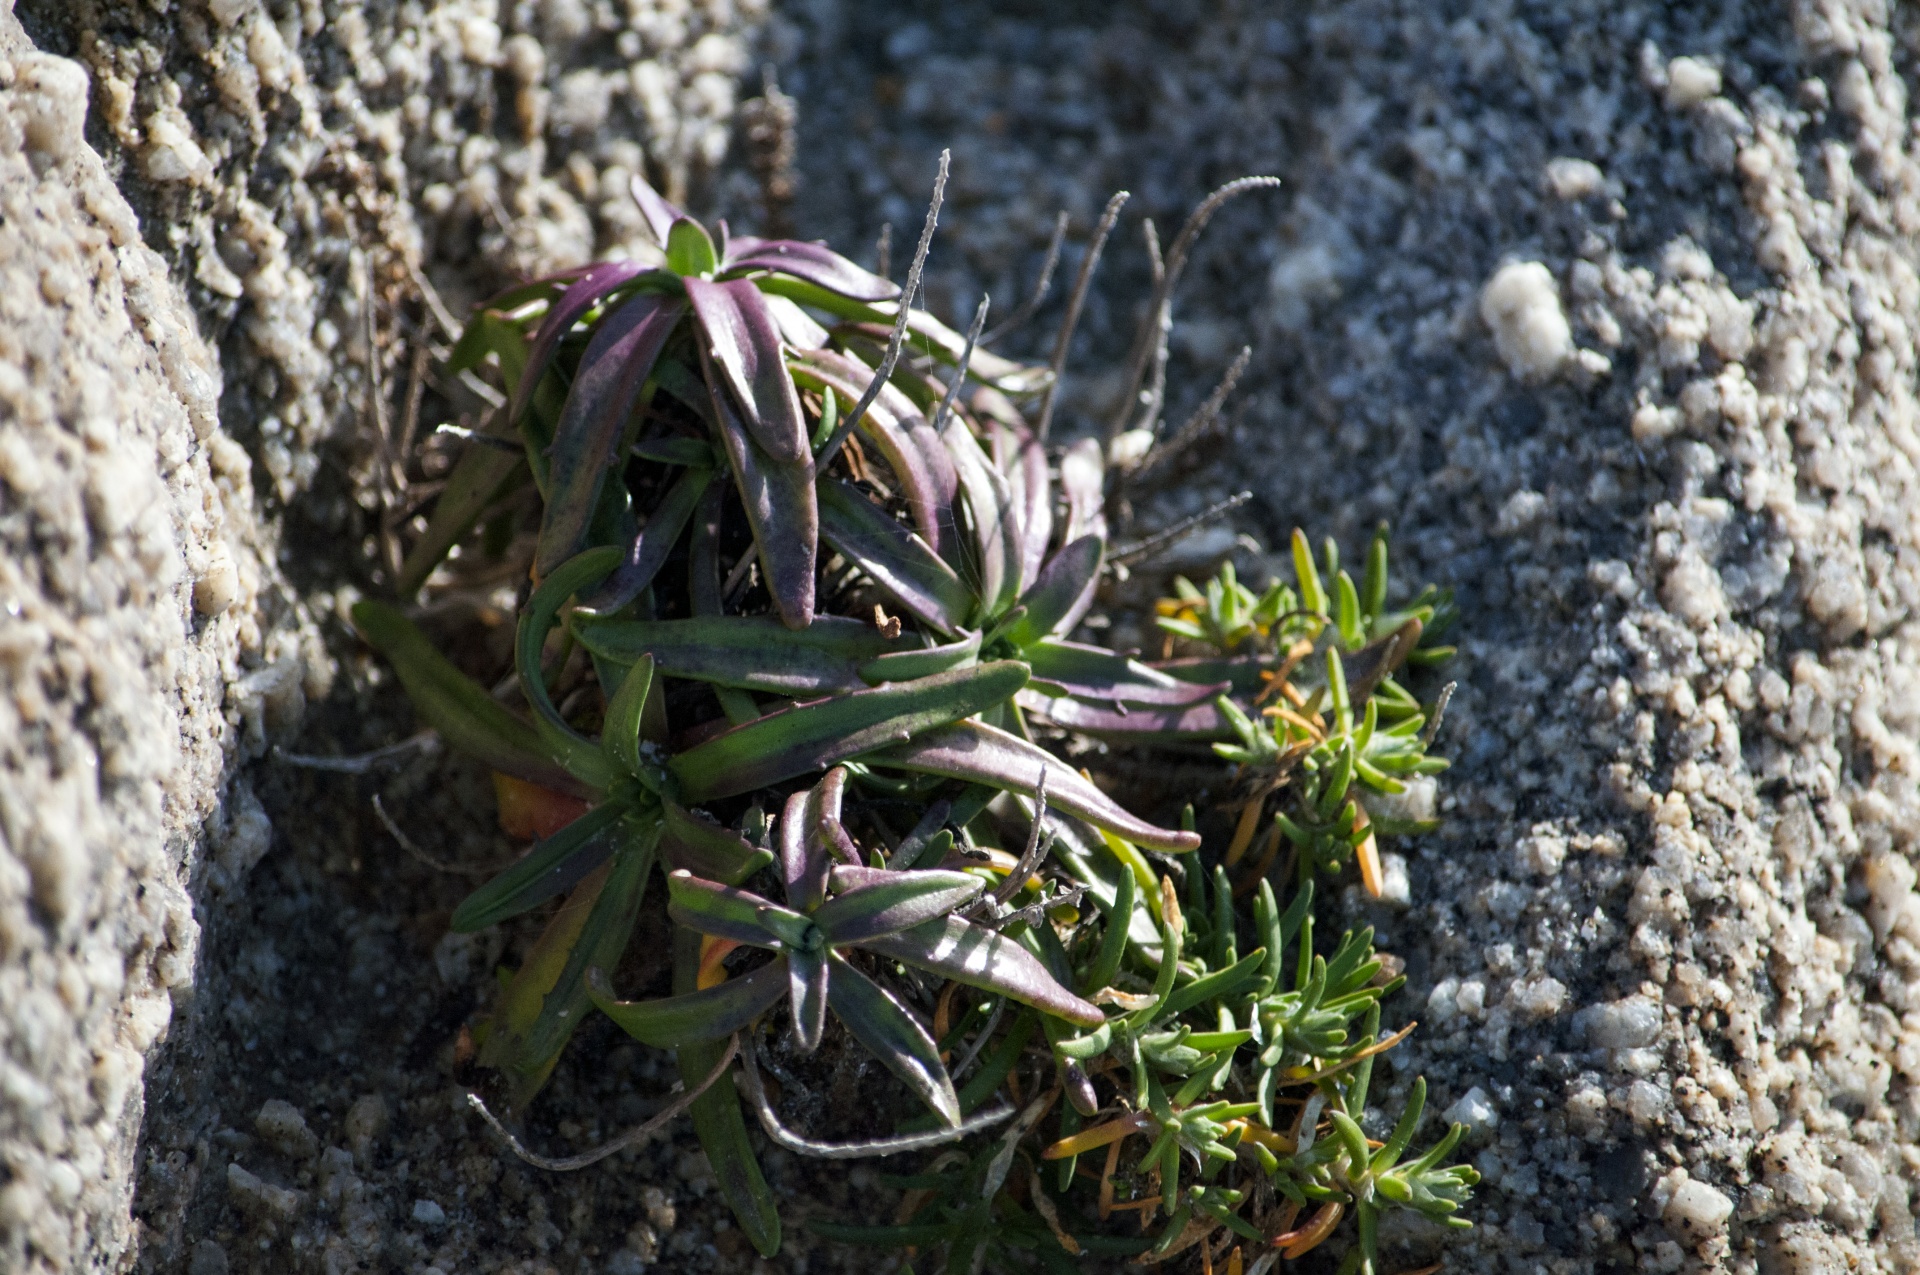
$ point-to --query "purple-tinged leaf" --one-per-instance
(724, 911)
(797, 327)
(913, 451)
(753, 653)
(1064, 586)
(744, 341)
(814, 262)
(807, 991)
(823, 818)
(809, 737)
(1240, 673)
(1112, 720)
(1083, 476)
(593, 286)
(1099, 675)
(617, 362)
(712, 1014)
(898, 561)
(781, 508)
(708, 850)
(886, 904)
(1022, 458)
(995, 551)
(803, 857)
(979, 957)
(650, 547)
(893, 1035)
(660, 214)
(900, 666)
(985, 754)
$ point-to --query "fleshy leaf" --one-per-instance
(724, 911)
(803, 857)
(979, 957)
(1102, 676)
(755, 653)
(782, 510)
(1083, 479)
(547, 999)
(993, 561)
(893, 1035)
(886, 902)
(659, 213)
(690, 251)
(469, 719)
(580, 755)
(898, 561)
(814, 262)
(913, 452)
(744, 342)
(1116, 719)
(594, 285)
(1063, 591)
(713, 1014)
(807, 990)
(898, 666)
(708, 850)
(653, 544)
(814, 736)
(617, 362)
(620, 732)
(549, 867)
(985, 754)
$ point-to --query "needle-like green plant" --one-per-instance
(884, 681)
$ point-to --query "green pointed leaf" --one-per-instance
(712, 1014)
(620, 733)
(726, 911)
(582, 756)
(553, 865)
(893, 1035)
(708, 850)
(754, 653)
(469, 719)
(877, 901)
(902, 666)
(896, 559)
(814, 736)
(984, 754)
(690, 251)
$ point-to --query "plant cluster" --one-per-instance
(798, 627)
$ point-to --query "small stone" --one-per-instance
(1475, 1110)
(1698, 1211)
(1570, 179)
(1623, 1024)
(1521, 305)
(1690, 82)
(260, 1198)
(285, 1129)
(429, 1213)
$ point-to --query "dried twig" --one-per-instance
(1035, 850)
(1439, 714)
(1198, 426)
(894, 341)
(960, 372)
(883, 251)
(1132, 553)
(438, 865)
(770, 1121)
(1159, 310)
(1075, 300)
(1027, 308)
(356, 763)
(631, 1138)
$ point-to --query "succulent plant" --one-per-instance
(894, 671)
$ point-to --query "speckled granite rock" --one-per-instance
(1611, 309)
(136, 640)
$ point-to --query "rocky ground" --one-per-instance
(1610, 310)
